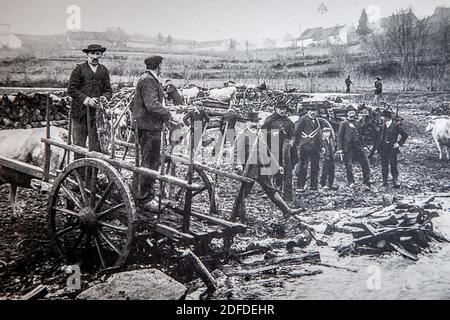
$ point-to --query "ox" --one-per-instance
(190, 93)
(226, 94)
(25, 145)
(440, 130)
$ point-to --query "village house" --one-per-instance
(323, 36)
(217, 45)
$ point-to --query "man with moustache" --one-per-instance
(89, 85)
(388, 147)
(351, 146)
(308, 135)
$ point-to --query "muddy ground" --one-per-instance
(28, 259)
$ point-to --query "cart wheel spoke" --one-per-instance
(108, 241)
(112, 209)
(93, 189)
(67, 211)
(72, 197)
(82, 187)
(103, 197)
(65, 231)
(97, 246)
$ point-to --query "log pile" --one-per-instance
(442, 110)
(28, 110)
(406, 228)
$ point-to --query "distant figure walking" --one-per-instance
(378, 92)
(348, 83)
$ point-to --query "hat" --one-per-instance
(281, 105)
(350, 108)
(377, 78)
(153, 61)
(253, 116)
(94, 48)
(387, 114)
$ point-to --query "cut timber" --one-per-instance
(37, 293)
(397, 247)
(201, 270)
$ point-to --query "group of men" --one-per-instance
(303, 143)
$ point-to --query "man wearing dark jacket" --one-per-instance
(351, 145)
(308, 136)
(279, 124)
(150, 114)
(89, 85)
(388, 147)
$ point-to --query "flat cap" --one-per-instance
(153, 61)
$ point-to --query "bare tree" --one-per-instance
(405, 42)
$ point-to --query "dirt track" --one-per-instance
(30, 259)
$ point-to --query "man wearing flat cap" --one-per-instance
(279, 124)
(388, 147)
(150, 114)
(89, 85)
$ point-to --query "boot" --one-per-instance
(395, 183)
(287, 211)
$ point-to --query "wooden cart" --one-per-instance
(92, 212)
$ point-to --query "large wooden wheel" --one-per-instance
(201, 199)
(91, 215)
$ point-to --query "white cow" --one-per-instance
(25, 145)
(190, 93)
(223, 94)
(440, 130)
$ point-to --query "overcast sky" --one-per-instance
(199, 19)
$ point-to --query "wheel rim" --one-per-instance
(92, 228)
(207, 194)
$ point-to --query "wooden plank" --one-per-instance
(22, 167)
(209, 169)
(172, 232)
(215, 220)
(125, 165)
(37, 293)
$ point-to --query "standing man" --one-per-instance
(308, 136)
(351, 145)
(378, 92)
(279, 124)
(227, 124)
(328, 166)
(348, 83)
(89, 85)
(388, 147)
(150, 114)
(172, 93)
(253, 161)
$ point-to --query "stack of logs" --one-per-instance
(441, 110)
(28, 110)
(403, 227)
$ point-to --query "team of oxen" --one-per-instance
(25, 144)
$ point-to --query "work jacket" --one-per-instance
(84, 83)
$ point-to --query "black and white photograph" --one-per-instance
(221, 150)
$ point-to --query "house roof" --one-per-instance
(312, 33)
(386, 21)
(333, 31)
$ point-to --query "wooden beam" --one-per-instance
(212, 170)
(125, 165)
(22, 167)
